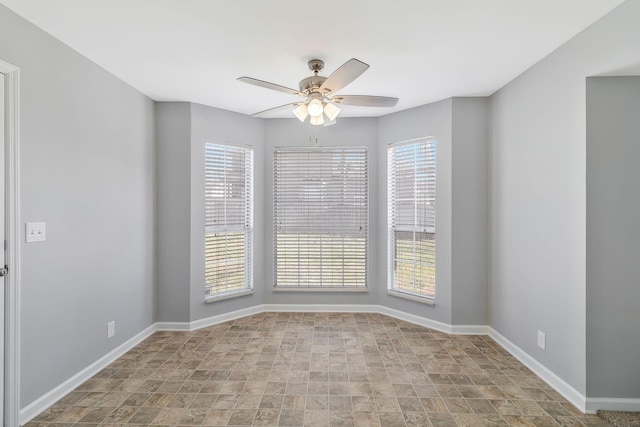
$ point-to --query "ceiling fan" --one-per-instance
(321, 103)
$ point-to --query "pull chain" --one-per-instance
(313, 138)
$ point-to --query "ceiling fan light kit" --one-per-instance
(320, 103)
(315, 108)
(301, 112)
(331, 111)
(318, 120)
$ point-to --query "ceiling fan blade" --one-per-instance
(268, 85)
(265, 113)
(365, 100)
(348, 72)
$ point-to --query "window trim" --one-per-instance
(229, 295)
(412, 297)
(348, 289)
(248, 289)
(318, 288)
(391, 290)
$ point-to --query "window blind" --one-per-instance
(412, 216)
(320, 217)
(228, 219)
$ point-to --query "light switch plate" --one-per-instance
(542, 340)
(36, 232)
(111, 329)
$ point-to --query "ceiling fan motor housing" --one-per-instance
(311, 84)
(316, 65)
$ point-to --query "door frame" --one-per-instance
(12, 236)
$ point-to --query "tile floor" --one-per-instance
(314, 369)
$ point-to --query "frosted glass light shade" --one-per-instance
(301, 112)
(331, 111)
(315, 108)
(317, 120)
(329, 122)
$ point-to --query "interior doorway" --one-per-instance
(10, 241)
(2, 250)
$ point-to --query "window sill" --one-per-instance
(317, 289)
(241, 293)
(416, 298)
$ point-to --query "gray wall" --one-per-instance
(538, 194)
(178, 162)
(183, 129)
(428, 120)
(613, 237)
(88, 171)
(460, 127)
(222, 126)
(348, 131)
(173, 251)
(470, 215)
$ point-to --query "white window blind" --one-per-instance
(320, 215)
(412, 217)
(228, 219)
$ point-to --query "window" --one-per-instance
(411, 216)
(228, 220)
(320, 217)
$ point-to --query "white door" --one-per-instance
(2, 247)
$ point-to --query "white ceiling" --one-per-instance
(420, 51)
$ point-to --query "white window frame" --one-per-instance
(219, 222)
(306, 225)
(421, 224)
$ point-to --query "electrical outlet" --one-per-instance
(111, 329)
(542, 340)
(36, 232)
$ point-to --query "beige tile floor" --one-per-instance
(315, 369)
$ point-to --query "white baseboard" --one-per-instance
(576, 398)
(470, 330)
(278, 308)
(321, 308)
(586, 405)
(400, 315)
(220, 318)
(417, 320)
(209, 321)
(612, 404)
(173, 326)
(37, 406)
(434, 324)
